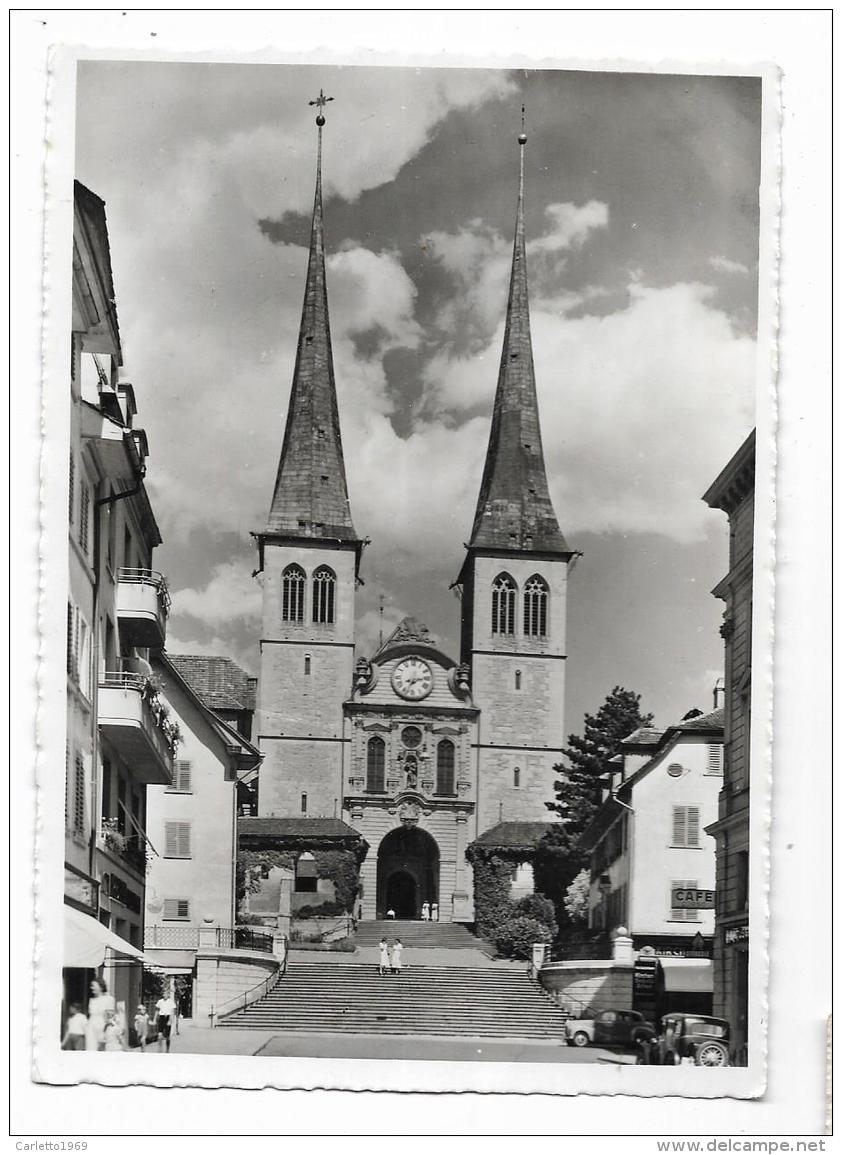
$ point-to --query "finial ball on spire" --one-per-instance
(521, 138)
(320, 120)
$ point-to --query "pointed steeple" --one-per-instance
(311, 493)
(514, 510)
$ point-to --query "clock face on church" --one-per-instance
(412, 678)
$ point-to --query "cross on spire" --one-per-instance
(320, 102)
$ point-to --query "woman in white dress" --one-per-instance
(425, 912)
(100, 1005)
(397, 950)
(384, 956)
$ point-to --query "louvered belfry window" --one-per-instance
(324, 595)
(294, 582)
(445, 766)
(177, 840)
(503, 605)
(535, 597)
(685, 826)
(375, 780)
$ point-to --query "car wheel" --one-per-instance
(711, 1055)
(580, 1039)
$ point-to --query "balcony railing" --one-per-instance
(174, 937)
(136, 721)
(143, 603)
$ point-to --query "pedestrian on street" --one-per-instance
(99, 1005)
(75, 1029)
(434, 913)
(425, 912)
(384, 956)
(112, 1036)
(141, 1026)
(165, 1009)
(395, 957)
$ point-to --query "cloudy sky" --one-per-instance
(642, 219)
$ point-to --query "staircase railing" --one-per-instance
(258, 991)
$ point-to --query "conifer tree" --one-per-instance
(578, 789)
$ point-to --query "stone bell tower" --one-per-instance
(514, 586)
(309, 558)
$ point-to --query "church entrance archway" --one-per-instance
(407, 872)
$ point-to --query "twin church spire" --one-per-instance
(514, 510)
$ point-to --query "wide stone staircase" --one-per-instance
(449, 935)
(422, 1000)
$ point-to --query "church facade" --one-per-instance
(418, 752)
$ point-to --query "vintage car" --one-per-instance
(686, 1038)
(609, 1028)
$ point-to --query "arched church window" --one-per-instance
(324, 595)
(518, 679)
(535, 597)
(503, 604)
(517, 777)
(375, 779)
(292, 601)
(445, 764)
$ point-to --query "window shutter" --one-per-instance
(184, 839)
(679, 826)
(71, 640)
(715, 758)
(72, 497)
(79, 795)
(182, 776)
(692, 826)
(171, 839)
(176, 908)
(84, 514)
(677, 915)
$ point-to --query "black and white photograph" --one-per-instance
(410, 484)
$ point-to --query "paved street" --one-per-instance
(203, 1040)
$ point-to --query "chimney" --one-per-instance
(718, 692)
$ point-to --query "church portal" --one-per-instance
(407, 872)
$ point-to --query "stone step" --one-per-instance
(435, 1000)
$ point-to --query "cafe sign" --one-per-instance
(692, 898)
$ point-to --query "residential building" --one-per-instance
(733, 492)
(649, 853)
(409, 748)
(119, 741)
(192, 822)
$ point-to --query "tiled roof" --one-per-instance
(644, 736)
(514, 833)
(715, 720)
(218, 681)
(514, 510)
(296, 828)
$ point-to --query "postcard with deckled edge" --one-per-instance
(407, 536)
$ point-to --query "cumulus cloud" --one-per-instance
(478, 260)
(725, 265)
(231, 593)
(637, 406)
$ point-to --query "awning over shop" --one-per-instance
(86, 941)
(690, 975)
(174, 962)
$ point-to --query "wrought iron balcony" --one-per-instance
(143, 603)
(134, 719)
